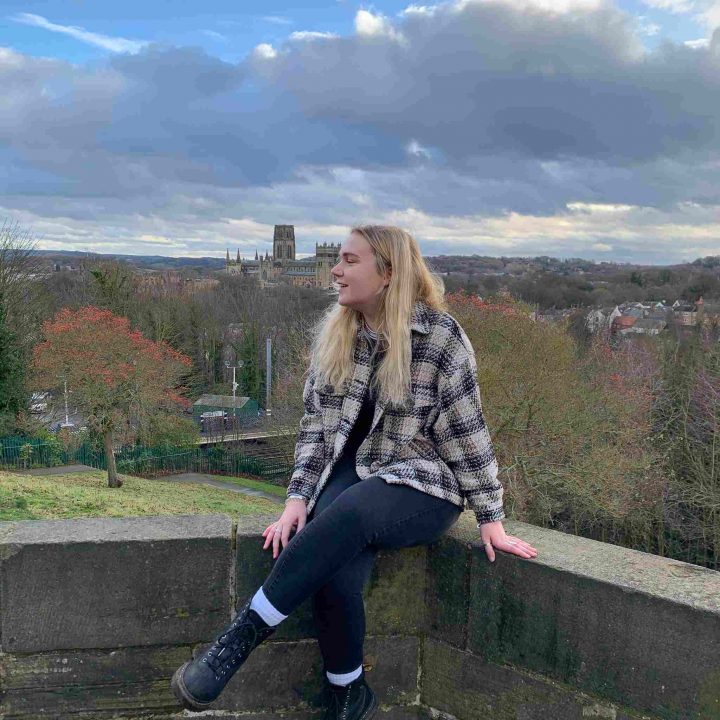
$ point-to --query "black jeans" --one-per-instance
(332, 556)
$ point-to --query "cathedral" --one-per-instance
(282, 266)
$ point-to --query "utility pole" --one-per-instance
(268, 375)
(234, 388)
(67, 423)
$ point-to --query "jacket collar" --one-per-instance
(419, 320)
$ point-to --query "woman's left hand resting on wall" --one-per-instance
(293, 517)
(493, 536)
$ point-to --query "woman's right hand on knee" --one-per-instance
(294, 515)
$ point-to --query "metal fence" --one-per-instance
(18, 453)
(26, 453)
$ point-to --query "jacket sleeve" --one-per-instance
(310, 445)
(463, 441)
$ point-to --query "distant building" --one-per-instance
(170, 283)
(623, 323)
(646, 326)
(283, 265)
(708, 313)
(207, 406)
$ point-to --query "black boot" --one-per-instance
(199, 682)
(355, 701)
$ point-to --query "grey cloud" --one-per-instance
(483, 78)
(517, 112)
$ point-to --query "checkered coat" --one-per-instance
(437, 442)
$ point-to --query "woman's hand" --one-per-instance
(493, 536)
(295, 514)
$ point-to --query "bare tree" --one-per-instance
(19, 267)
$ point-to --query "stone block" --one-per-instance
(253, 565)
(394, 595)
(127, 682)
(281, 676)
(466, 686)
(637, 629)
(448, 590)
(384, 713)
(114, 582)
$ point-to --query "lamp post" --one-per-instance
(234, 388)
(67, 423)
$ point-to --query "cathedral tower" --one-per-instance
(284, 242)
(326, 257)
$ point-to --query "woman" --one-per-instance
(392, 444)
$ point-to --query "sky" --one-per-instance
(570, 128)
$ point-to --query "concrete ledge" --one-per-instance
(466, 686)
(113, 582)
(627, 626)
(95, 615)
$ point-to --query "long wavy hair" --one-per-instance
(335, 335)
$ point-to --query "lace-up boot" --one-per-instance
(355, 701)
(199, 682)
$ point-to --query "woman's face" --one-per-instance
(356, 277)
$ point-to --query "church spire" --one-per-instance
(256, 255)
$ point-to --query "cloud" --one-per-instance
(311, 35)
(705, 12)
(518, 126)
(264, 51)
(674, 6)
(415, 149)
(113, 44)
(647, 28)
(277, 19)
(369, 25)
(699, 44)
(215, 35)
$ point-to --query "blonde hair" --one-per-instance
(411, 280)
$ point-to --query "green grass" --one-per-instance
(253, 484)
(74, 495)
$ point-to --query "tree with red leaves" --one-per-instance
(114, 373)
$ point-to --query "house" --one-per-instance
(646, 326)
(708, 313)
(623, 323)
(685, 313)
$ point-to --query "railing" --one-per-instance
(20, 453)
(26, 453)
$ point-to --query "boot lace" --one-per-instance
(235, 644)
(341, 701)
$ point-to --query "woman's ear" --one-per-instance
(388, 276)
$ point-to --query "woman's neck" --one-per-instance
(369, 323)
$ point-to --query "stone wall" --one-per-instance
(96, 614)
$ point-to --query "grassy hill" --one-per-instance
(74, 495)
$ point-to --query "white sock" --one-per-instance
(344, 678)
(265, 609)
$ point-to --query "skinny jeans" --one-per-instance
(331, 558)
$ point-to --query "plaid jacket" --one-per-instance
(437, 442)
